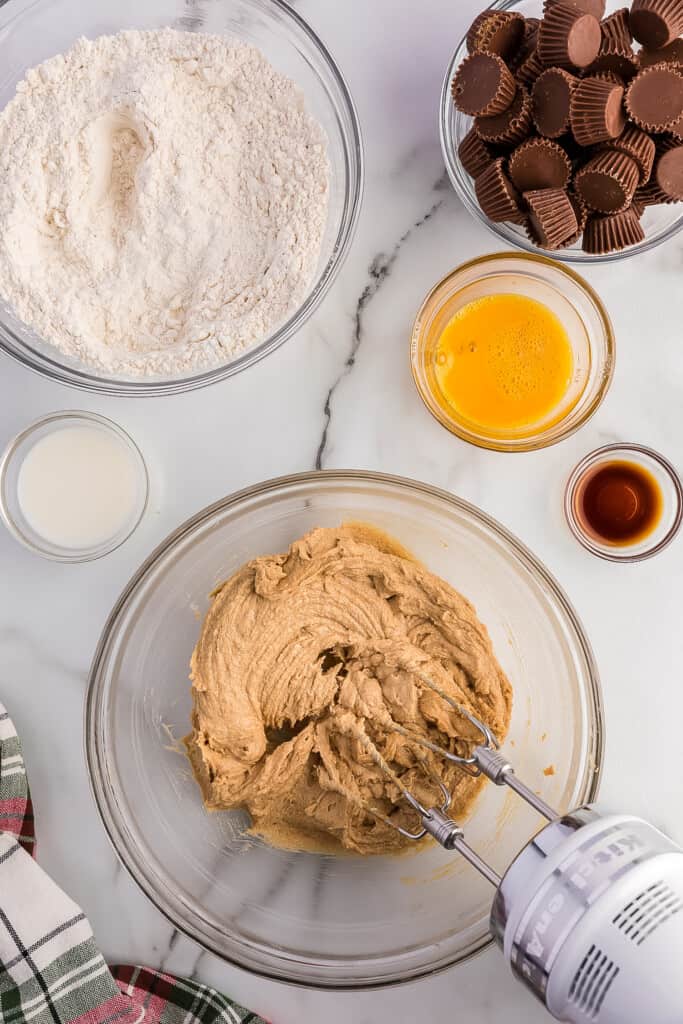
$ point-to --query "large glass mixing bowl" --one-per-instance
(33, 30)
(321, 920)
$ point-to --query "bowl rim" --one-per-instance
(626, 450)
(504, 232)
(111, 814)
(535, 442)
(49, 366)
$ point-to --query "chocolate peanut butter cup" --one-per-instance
(652, 195)
(594, 7)
(654, 99)
(551, 98)
(676, 129)
(473, 30)
(527, 45)
(497, 197)
(639, 146)
(499, 32)
(669, 169)
(611, 233)
(581, 213)
(483, 85)
(551, 218)
(511, 126)
(529, 70)
(617, 29)
(537, 164)
(607, 182)
(597, 111)
(608, 76)
(568, 38)
(654, 23)
(671, 54)
(474, 154)
(615, 58)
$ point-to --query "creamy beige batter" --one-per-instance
(305, 662)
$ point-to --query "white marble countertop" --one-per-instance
(346, 378)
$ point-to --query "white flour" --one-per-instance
(163, 197)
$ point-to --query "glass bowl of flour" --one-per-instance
(179, 185)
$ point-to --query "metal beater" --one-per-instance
(590, 913)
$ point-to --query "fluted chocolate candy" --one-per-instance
(655, 23)
(568, 38)
(607, 182)
(597, 111)
(594, 7)
(611, 233)
(551, 217)
(616, 58)
(539, 163)
(511, 126)
(651, 195)
(528, 44)
(498, 32)
(581, 212)
(654, 99)
(497, 197)
(671, 54)
(551, 101)
(475, 155)
(676, 129)
(617, 29)
(529, 70)
(639, 146)
(669, 170)
(483, 85)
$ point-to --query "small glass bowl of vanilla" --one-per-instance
(512, 352)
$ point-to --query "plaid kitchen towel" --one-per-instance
(51, 971)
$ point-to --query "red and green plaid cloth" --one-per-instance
(51, 971)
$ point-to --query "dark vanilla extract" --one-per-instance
(618, 503)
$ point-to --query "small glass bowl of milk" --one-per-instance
(73, 486)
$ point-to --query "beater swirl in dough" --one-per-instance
(305, 661)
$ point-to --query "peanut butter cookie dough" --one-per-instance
(305, 661)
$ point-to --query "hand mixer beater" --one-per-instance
(590, 913)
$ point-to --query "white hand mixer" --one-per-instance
(589, 915)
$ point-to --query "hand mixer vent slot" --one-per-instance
(647, 911)
(592, 982)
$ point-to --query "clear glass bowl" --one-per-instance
(562, 290)
(672, 502)
(328, 921)
(11, 462)
(33, 30)
(660, 223)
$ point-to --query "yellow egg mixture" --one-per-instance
(504, 362)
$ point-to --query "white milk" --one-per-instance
(77, 487)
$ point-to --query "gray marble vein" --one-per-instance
(379, 270)
(175, 935)
(194, 971)
(12, 638)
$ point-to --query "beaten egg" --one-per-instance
(504, 362)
